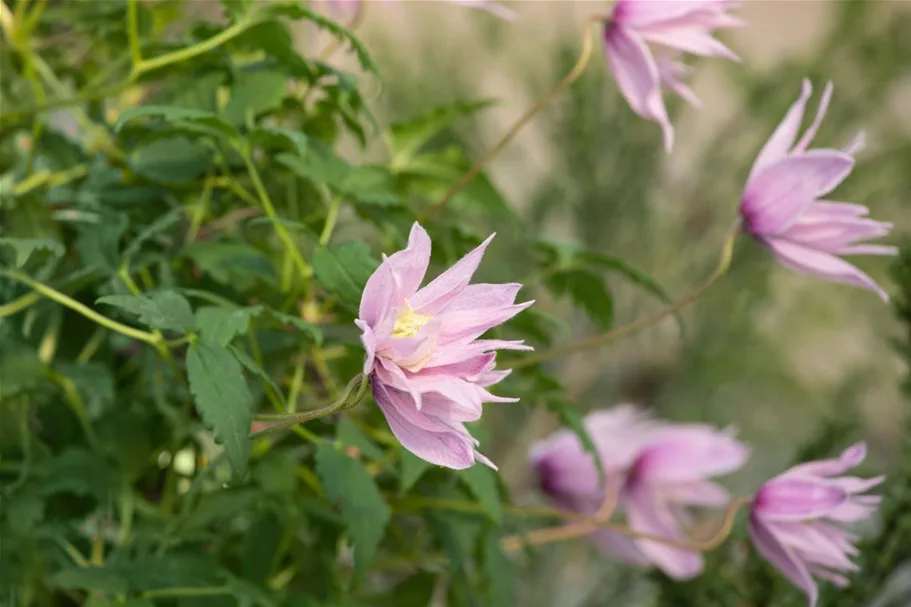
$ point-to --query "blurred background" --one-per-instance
(774, 353)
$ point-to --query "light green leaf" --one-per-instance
(344, 269)
(370, 185)
(348, 434)
(411, 468)
(320, 165)
(207, 122)
(158, 310)
(273, 136)
(349, 485)
(221, 325)
(171, 160)
(253, 93)
(222, 398)
(406, 138)
(587, 291)
(25, 247)
(482, 481)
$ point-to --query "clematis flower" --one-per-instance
(670, 475)
(797, 518)
(429, 370)
(660, 469)
(676, 26)
(783, 206)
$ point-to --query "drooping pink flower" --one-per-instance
(670, 475)
(677, 26)
(782, 204)
(660, 469)
(797, 518)
(429, 371)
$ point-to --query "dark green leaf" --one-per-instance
(221, 325)
(153, 229)
(320, 165)
(482, 481)
(411, 469)
(158, 310)
(349, 485)
(500, 572)
(95, 579)
(348, 434)
(344, 269)
(587, 290)
(172, 159)
(222, 398)
(25, 247)
(232, 263)
(314, 333)
(275, 137)
(208, 121)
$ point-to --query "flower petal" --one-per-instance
(646, 514)
(790, 498)
(783, 559)
(637, 75)
(848, 458)
(690, 453)
(810, 133)
(779, 144)
(826, 266)
(776, 197)
(445, 287)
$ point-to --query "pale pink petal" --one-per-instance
(647, 514)
(369, 341)
(794, 499)
(636, 73)
(776, 197)
(380, 296)
(823, 265)
(858, 143)
(782, 140)
(783, 559)
(698, 493)
(494, 8)
(682, 36)
(469, 324)
(850, 457)
(868, 249)
(810, 133)
(445, 287)
(620, 547)
(482, 296)
(671, 73)
(690, 453)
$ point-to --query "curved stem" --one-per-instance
(637, 325)
(352, 394)
(74, 305)
(543, 101)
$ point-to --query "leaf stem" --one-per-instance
(573, 75)
(305, 270)
(74, 305)
(595, 341)
(133, 33)
(334, 204)
(192, 591)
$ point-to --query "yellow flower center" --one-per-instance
(409, 322)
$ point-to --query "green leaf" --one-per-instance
(482, 481)
(253, 93)
(251, 366)
(207, 122)
(222, 398)
(94, 579)
(344, 269)
(500, 572)
(231, 263)
(314, 333)
(587, 291)
(153, 229)
(411, 468)
(221, 325)
(298, 11)
(320, 165)
(407, 138)
(171, 160)
(349, 434)
(25, 247)
(349, 485)
(167, 310)
(372, 185)
(272, 136)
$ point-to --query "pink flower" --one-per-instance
(428, 369)
(679, 26)
(796, 519)
(782, 209)
(660, 469)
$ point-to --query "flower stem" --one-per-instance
(541, 103)
(334, 204)
(595, 341)
(351, 396)
(74, 305)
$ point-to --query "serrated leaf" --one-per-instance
(153, 229)
(222, 398)
(344, 269)
(350, 486)
(587, 291)
(253, 93)
(482, 481)
(221, 325)
(411, 468)
(209, 121)
(94, 382)
(254, 368)
(167, 310)
(25, 247)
